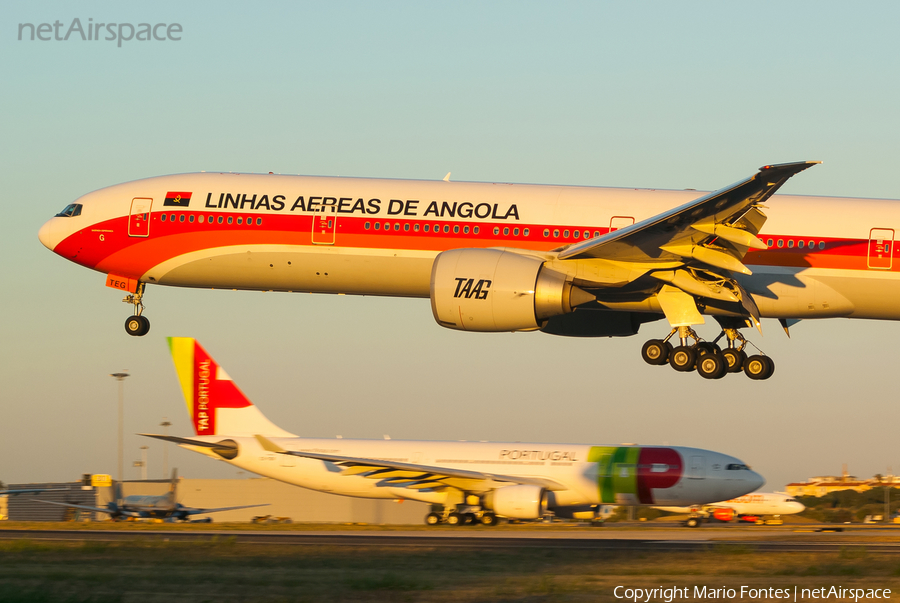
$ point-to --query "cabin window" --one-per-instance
(769, 242)
(191, 219)
(800, 244)
(596, 233)
(200, 218)
(526, 232)
(396, 225)
(812, 244)
(406, 227)
(230, 220)
(163, 217)
(181, 218)
(241, 221)
(456, 229)
(515, 232)
(465, 230)
(446, 228)
(791, 244)
(368, 225)
(506, 232)
(780, 243)
(576, 234)
(426, 228)
(556, 233)
(416, 227)
(377, 225)
(259, 221)
(566, 234)
(496, 230)
(476, 230)
(546, 232)
(821, 244)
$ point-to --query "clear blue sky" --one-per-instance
(668, 95)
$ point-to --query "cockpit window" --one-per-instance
(71, 210)
(737, 467)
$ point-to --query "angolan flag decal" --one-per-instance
(176, 199)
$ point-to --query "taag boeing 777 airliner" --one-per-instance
(473, 481)
(566, 260)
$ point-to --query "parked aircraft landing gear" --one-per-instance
(137, 325)
(462, 515)
(706, 357)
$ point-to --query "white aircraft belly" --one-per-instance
(301, 268)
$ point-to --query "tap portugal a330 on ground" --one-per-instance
(473, 481)
(566, 260)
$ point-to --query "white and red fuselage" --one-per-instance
(827, 257)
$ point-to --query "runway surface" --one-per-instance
(760, 539)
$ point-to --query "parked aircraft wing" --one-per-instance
(711, 224)
(31, 491)
(411, 474)
(88, 508)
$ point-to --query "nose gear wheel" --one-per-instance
(137, 325)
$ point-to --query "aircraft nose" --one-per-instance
(47, 234)
(755, 480)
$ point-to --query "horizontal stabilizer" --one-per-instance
(190, 442)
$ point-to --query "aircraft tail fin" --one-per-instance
(215, 404)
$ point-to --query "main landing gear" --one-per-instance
(460, 516)
(137, 325)
(705, 357)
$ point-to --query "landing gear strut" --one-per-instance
(137, 325)
(706, 357)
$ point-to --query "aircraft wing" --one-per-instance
(696, 247)
(720, 215)
(413, 475)
(195, 511)
(88, 508)
(31, 491)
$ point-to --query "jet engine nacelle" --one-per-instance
(493, 290)
(517, 502)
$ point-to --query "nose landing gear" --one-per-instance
(706, 357)
(137, 325)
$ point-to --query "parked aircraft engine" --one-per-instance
(517, 502)
(723, 514)
(494, 290)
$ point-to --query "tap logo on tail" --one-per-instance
(206, 386)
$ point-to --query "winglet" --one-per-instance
(269, 445)
(447, 177)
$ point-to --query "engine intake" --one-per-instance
(492, 290)
(517, 502)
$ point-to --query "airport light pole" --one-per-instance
(120, 377)
(165, 425)
(144, 462)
